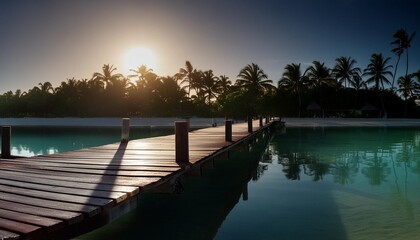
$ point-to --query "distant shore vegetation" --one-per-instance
(342, 90)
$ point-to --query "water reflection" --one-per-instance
(347, 153)
(30, 141)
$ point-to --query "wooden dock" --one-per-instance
(57, 196)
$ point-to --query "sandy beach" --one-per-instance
(206, 122)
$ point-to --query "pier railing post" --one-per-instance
(6, 133)
(181, 142)
(228, 130)
(250, 124)
(266, 120)
(261, 121)
(125, 129)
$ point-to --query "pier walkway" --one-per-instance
(56, 196)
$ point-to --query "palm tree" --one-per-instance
(253, 79)
(407, 88)
(318, 75)
(378, 70)
(225, 85)
(187, 75)
(345, 70)
(211, 85)
(143, 74)
(107, 75)
(255, 83)
(293, 80)
(402, 42)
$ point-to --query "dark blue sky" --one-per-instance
(55, 40)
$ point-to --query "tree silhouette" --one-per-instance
(345, 71)
(402, 42)
(293, 80)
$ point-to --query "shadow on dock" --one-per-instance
(209, 193)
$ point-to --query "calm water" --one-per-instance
(325, 183)
(30, 141)
(353, 183)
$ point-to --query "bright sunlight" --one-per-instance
(136, 57)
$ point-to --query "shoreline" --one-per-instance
(351, 122)
(204, 122)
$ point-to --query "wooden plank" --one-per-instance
(67, 216)
(99, 202)
(117, 196)
(77, 185)
(72, 207)
(21, 228)
(133, 166)
(87, 178)
(50, 224)
(103, 172)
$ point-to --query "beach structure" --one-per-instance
(66, 194)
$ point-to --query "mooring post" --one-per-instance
(249, 124)
(228, 130)
(261, 121)
(6, 133)
(181, 142)
(125, 129)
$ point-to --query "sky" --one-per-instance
(55, 40)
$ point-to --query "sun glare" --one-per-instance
(136, 57)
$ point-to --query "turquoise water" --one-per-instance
(30, 141)
(326, 183)
(322, 183)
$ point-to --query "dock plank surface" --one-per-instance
(47, 193)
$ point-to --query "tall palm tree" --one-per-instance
(402, 42)
(378, 69)
(318, 74)
(293, 80)
(187, 75)
(407, 89)
(253, 79)
(345, 70)
(211, 85)
(107, 74)
(143, 74)
(225, 85)
(255, 82)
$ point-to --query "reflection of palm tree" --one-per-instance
(293, 80)
(318, 170)
(344, 171)
(376, 170)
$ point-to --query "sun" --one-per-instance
(138, 56)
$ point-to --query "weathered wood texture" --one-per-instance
(45, 194)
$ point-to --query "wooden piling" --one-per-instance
(228, 130)
(6, 133)
(125, 129)
(250, 124)
(181, 142)
(261, 121)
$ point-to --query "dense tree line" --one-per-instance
(343, 90)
